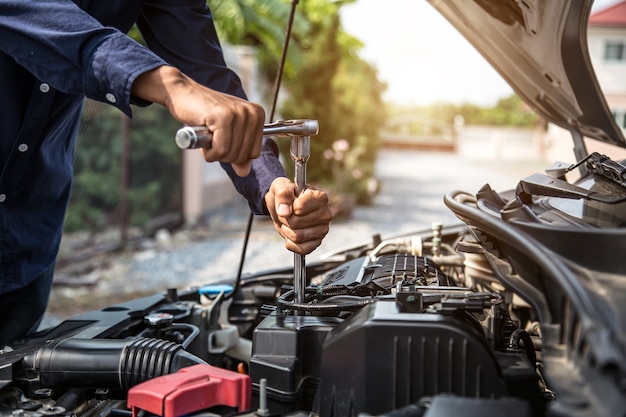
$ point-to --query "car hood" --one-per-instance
(540, 48)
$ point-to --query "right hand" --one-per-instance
(236, 124)
(301, 219)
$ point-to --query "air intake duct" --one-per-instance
(107, 363)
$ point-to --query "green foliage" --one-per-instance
(262, 24)
(310, 92)
(509, 111)
(512, 111)
(341, 91)
(324, 79)
(136, 35)
(358, 96)
(154, 168)
(438, 118)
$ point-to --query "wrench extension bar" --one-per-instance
(300, 130)
(193, 137)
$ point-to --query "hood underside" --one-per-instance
(540, 48)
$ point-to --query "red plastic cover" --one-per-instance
(191, 389)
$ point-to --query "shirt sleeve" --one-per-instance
(64, 46)
(265, 169)
(76, 53)
(182, 32)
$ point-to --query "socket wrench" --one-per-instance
(192, 137)
(300, 130)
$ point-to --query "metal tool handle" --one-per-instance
(192, 137)
(300, 130)
(300, 152)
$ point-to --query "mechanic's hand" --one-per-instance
(304, 220)
(236, 124)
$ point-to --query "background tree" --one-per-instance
(324, 79)
(439, 117)
(154, 164)
(261, 24)
(335, 86)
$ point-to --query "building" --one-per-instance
(607, 48)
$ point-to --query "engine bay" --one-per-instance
(502, 313)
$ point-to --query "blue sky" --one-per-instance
(414, 49)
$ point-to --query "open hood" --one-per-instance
(540, 48)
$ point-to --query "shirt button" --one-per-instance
(2, 198)
(23, 147)
(110, 97)
(44, 88)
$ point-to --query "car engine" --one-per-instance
(517, 310)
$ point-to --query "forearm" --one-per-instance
(158, 85)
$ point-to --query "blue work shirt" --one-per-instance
(53, 53)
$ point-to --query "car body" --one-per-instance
(517, 310)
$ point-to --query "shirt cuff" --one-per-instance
(116, 63)
(265, 169)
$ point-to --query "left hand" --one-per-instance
(302, 221)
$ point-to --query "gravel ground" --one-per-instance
(413, 184)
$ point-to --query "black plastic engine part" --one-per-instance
(387, 271)
(107, 363)
(380, 360)
(446, 406)
(287, 352)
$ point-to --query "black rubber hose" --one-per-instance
(327, 291)
(107, 363)
(326, 307)
(459, 203)
(552, 266)
(522, 335)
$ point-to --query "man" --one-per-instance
(53, 53)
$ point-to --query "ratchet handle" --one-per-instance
(192, 137)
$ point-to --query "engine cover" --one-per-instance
(382, 360)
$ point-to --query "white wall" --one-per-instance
(502, 143)
(205, 185)
(611, 74)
